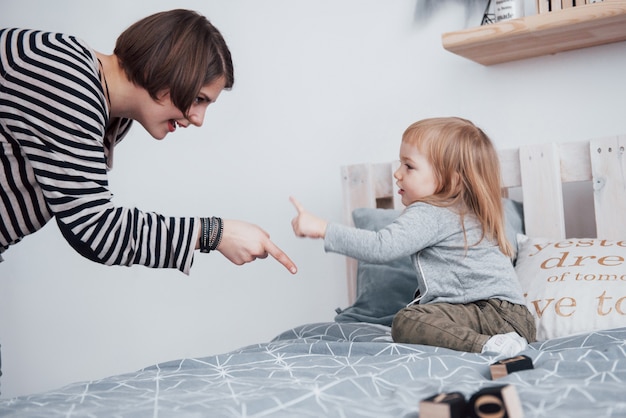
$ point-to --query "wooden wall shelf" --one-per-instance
(541, 34)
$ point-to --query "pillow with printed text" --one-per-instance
(573, 286)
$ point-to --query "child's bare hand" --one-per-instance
(306, 224)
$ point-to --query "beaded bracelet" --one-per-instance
(204, 235)
(220, 230)
(211, 230)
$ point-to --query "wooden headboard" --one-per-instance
(538, 170)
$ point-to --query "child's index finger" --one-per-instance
(296, 204)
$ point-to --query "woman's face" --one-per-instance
(415, 176)
(161, 117)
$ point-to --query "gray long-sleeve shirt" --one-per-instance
(433, 237)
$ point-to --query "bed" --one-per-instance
(351, 368)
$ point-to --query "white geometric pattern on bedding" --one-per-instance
(346, 370)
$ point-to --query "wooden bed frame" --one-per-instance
(538, 170)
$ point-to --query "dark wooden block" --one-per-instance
(496, 401)
(507, 366)
(443, 405)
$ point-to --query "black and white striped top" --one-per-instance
(54, 157)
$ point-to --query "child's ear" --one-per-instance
(455, 181)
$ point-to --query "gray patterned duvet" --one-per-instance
(346, 370)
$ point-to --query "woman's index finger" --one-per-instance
(280, 256)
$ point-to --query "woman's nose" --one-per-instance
(196, 117)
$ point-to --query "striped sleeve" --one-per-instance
(52, 127)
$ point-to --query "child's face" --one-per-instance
(415, 176)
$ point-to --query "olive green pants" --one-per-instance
(462, 327)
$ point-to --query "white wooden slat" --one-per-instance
(358, 192)
(609, 186)
(383, 186)
(541, 191)
(509, 168)
(575, 161)
(358, 189)
(351, 271)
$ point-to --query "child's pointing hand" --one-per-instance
(306, 224)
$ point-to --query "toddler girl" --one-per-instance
(468, 296)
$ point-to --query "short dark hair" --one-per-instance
(178, 50)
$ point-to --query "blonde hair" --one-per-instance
(467, 170)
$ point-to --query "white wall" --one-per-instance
(319, 83)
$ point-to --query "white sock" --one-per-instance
(508, 345)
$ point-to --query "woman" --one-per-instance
(63, 109)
